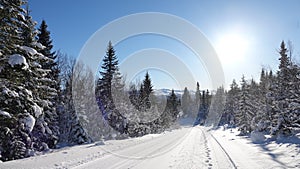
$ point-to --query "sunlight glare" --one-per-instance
(231, 48)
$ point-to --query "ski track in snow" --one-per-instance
(185, 148)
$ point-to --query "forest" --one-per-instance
(41, 108)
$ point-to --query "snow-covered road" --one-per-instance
(185, 148)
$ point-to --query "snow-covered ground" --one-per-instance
(187, 147)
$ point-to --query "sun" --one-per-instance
(231, 48)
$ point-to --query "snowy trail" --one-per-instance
(185, 148)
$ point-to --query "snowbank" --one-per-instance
(257, 137)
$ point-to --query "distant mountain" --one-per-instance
(166, 92)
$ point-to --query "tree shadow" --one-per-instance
(292, 140)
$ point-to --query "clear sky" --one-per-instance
(245, 34)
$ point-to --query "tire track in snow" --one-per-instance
(222, 148)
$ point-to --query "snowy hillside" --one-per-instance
(187, 147)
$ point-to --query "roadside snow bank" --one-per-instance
(257, 137)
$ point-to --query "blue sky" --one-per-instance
(257, 28)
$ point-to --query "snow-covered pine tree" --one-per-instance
(293, 100)
(231, 105)
(170, 115)
(103, 90)
(145, 92)
(77, 134)
(134, 96)
(186, 103)
(50, 108)
(204, 107)
(108, 68)
(46, 131)
(245, 112)
(14, 98)
(281, 123)
(257, 108)
(197, 98)
(21, 78)
(262, 120)
(216, 108)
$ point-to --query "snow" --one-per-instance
(29, 50)
(17, 59)
(22, 16)
(36, 64)
(184, 148)
(37, 110)
(39, 45)
(270, 154)
(257, 137)
(4, 113)
(9, 92)
(28, 121)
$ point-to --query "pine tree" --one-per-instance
(245, 112)
(22, 84)
(76, 134)
(293, 100)
(203, 109)
(109, 67)
(216, 109)
(145, 92)
(11, 21)
(51, 116)
(103, 91)
(263, 118)
(14, 99)
(134, 96)
(169, 116)
(231, 104)
(257, 108)
(186, 103)
(281, 122)
(197, 97)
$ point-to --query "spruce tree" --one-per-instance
(51, 116)
(103, 91)
(197, 97)
(216, 108)
(109, 67)
(245, 109)
(231, 105)
(171, 112)
(134, 96)
(145, 92)
(186, 103)
(281, 122)
(22, 84)
(76, 134)
(148, 89)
